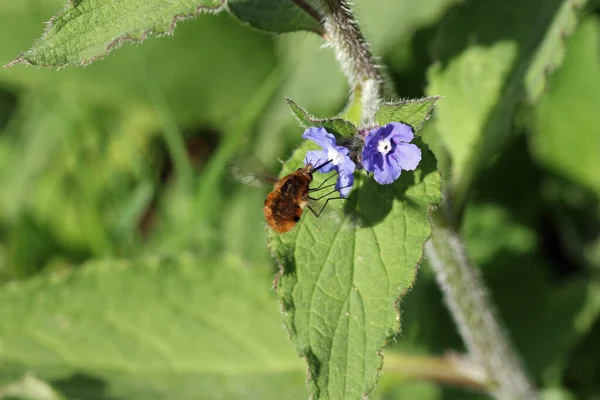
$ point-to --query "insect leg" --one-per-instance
(325, 195)
(322, 183)
(321, 188)
(317, 214)
(327, 201)
(312, 211)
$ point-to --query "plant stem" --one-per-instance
(464, 292)
(471, 308)
(354, 55)
(450, 369)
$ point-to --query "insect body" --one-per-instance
(285, 204)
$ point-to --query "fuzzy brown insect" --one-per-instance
(285, 204)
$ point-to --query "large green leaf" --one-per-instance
(155, 328)
(343, 273)
(278, 15)
(566, 133)
(489, 53)
(86, 30)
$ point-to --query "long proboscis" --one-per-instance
(322, 165)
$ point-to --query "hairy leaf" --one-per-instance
(339, 126)
(172, 328)
(86, 30)
(277, 15)
(566, 134)
(411, 112)
(343, 273)
(486, 52)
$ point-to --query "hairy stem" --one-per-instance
(355, 57)
(451, 369)
(464, 292)
(471, 308)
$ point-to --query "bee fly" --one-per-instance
(285, 204)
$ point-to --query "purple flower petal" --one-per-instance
(346, 177)
(320, 137)
(347, 167)
(386, 175)
(372, 161)
(374, 137)
(408, 156)
(401, 132)
(344, 184)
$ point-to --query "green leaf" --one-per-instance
(486, 52)
(277, 16)
(551, 51)
(154, 328)
(343, 273)
(411, 112)
(339, 126)
(86, 30)
(565, 132)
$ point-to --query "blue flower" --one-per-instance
(387, 152)
(338, 155)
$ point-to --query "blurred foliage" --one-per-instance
(127, 160)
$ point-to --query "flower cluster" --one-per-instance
(340, 161)
(387, 151)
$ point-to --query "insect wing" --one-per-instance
(251, 172)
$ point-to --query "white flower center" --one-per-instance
(334, 155)
(384, 146)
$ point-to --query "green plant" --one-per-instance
(133, 267)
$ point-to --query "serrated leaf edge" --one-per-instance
(419, 100)
(117, 42)
(312, 119)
